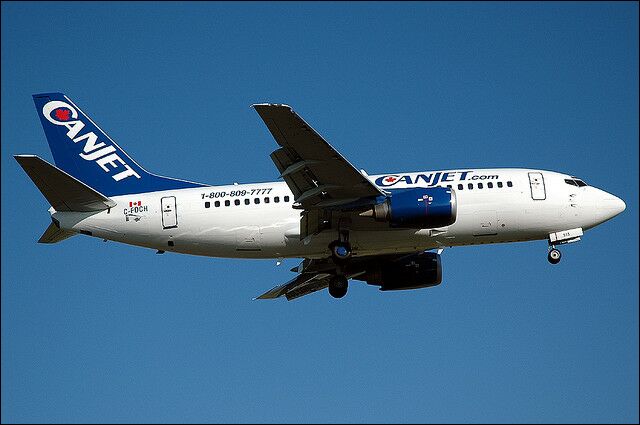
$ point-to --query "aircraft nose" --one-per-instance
(619, 205)
(611, 205)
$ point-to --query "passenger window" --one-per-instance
(256, 200)
(286, 199)
(460, 187)
(227, 203)
(509, 184)
(237, 202)
(470, 185)
(247, 201)
(266, 200)
(217, 204)
(499, 184)
(480, 185)
(449, 186)
(207, 204)
(490, 185)
(276, 199)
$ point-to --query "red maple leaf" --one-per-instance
(390, 179)
(63, 114)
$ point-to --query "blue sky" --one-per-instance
(102, 332)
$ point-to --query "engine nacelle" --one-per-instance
(417, 208)
(416, 271)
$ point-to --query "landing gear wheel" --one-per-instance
(338, 286)
(340, 251)
(554, 256)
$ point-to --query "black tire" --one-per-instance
(338, 286)
(340, 251)
(554, 256)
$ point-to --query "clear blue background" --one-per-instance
(95, 331)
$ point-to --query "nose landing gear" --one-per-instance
(554, 255)
(561, 238)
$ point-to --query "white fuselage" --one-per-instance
(180, 220)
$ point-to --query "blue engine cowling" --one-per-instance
(417, 208)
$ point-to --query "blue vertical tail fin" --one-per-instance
(85, 151)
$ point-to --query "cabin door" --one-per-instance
(169, 212)
(536, 181)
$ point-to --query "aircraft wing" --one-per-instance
(314, 274)
(316, 173)
(303, 284)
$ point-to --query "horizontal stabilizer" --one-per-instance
(64, 192)
(53, 234)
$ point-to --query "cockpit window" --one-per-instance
(574, 181)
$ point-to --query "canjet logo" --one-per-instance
(429, 179)
(61, 113)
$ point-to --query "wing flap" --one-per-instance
(302, 284)
(311, 286)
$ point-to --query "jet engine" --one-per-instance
(417, 208)
(414, 271)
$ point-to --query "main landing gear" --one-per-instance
(341, 249)
(338, 286)
(554, 255)
(341, 253)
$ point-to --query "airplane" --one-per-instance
(344, 224)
